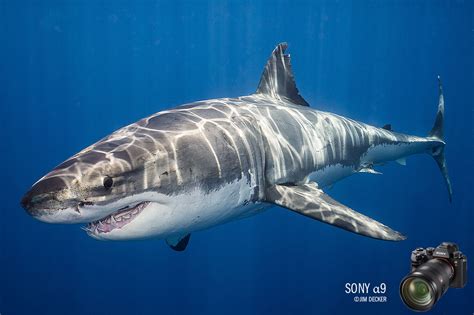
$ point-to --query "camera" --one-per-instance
(433, 271)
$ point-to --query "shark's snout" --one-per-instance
(28, 204)
(42, 200)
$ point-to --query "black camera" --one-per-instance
(433, 271)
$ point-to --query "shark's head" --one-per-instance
(155, 178)
(81, 189)
(106, 185)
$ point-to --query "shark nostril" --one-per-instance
(84, 203)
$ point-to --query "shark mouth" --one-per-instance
(117, 219)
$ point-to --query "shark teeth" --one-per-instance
(116, 220)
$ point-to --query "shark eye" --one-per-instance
(108, 182)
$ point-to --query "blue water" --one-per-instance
(72, 72)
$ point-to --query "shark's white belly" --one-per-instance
(375, 155)
(168, 216)
(390, 152)
(330, 174)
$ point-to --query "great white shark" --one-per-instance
(206, 163)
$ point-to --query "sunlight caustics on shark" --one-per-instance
(206, 163)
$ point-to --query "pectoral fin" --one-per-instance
(178, 243)
(312, 202)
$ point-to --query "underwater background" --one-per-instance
(72, 72)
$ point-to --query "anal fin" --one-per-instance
(402, 161)
(178, 243)
(312, 202)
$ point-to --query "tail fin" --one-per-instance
(437, 132)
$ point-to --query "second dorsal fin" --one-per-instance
(277, 79)
(387, 127)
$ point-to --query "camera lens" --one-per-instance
(417, 292)
(422, 288)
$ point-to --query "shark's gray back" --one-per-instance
(216, 141)
(298, 140)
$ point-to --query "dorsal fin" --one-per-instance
(277, 79)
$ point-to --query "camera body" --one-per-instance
(448, 252)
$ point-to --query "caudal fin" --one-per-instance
(437, 132)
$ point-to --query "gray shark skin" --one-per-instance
(206, 163)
